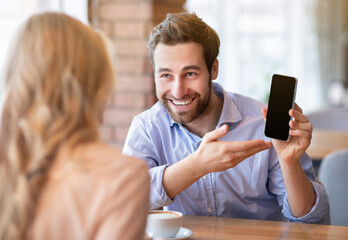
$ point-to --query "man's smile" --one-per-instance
(181, 103)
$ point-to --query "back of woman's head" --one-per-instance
(57, 80)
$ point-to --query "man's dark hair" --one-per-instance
(182, 28)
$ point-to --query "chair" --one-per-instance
(333, 173)
(330, 119)
(330, 132)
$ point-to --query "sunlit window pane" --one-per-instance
(14, 12)
(260, 38)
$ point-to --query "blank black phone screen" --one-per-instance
(281, 100)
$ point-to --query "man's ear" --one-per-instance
(215, 69)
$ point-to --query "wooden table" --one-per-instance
(219, 228)
(323, 142)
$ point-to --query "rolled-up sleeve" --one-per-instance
(140, 144)
(320, 211)
(158, 196)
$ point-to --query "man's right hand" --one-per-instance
(215, 156)
(211, 156)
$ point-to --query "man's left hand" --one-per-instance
(300, 136)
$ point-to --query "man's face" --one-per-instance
(183, 83)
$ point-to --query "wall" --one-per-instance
(128, 24)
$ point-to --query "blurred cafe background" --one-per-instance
(307, 39)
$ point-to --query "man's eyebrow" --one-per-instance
(163, 70)
(191, 67)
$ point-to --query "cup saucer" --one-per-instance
(184, 233)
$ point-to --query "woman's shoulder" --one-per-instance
(108, 159)
(97, 161)
(107, 172)
(94, 167)
(91, 182)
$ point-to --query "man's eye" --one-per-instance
(189, 74)
(165, 75)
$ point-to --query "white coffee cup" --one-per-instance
(162, 223)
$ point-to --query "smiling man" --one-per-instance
(184, 86)
(206, 148)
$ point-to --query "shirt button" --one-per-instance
(209, 210)
(204, 177)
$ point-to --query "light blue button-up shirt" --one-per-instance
(253, 189)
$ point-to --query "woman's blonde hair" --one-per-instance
(57, 80)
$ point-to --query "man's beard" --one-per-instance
(203, 107)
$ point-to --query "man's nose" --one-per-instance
(179, 89)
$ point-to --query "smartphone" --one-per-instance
(281, 100)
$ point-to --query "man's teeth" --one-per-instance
(181, 102)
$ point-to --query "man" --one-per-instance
(206, 148)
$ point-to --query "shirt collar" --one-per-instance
(229, 113)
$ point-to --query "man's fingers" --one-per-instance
(307, 126)
(234, 158)
(300, 133)
(246, 146)
(298, 116)
(297, 108)
(216, 134)
(264, 113)
(245, 154)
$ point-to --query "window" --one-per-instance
(15, 12)
(259, 38)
